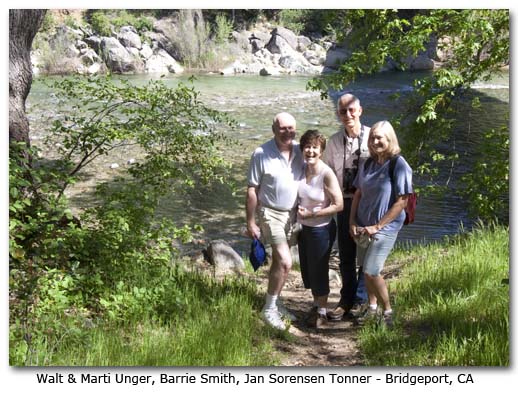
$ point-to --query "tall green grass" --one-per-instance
(451, 303)
(196, 321)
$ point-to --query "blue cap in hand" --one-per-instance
(257, 254)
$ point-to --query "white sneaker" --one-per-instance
(273, 318)
(285, 312)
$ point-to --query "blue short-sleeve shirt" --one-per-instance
(377, 196)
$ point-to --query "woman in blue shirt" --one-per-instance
(377, 212)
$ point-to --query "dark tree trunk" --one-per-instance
(23, 26)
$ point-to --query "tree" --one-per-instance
(23, 26)
(477, 46)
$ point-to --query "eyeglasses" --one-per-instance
(344, 111)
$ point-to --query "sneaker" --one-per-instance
(316, 320)
(273, 318)
(338, 313)
(387, 320)
(358, 309)
(321, 320)
(285, 313)
(368, 314)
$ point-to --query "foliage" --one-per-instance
(63, 265)
(194, 44)
(141, 23)
(310, 21)
(104, 21)
(476, 45)
(163, 323)
(100, 23)
(293, 19)
(54, 56)
(49, 24)
(451, 305)
(487, 186)
(223, 29)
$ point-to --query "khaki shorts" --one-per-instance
(277, 227)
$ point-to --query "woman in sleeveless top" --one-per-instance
(320, 198)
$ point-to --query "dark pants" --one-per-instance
(315, 245)
(353, 284)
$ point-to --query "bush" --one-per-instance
(223, 29)
(100, 24)
(293, 19)
(61, 265)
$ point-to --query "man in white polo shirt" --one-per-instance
(275, 168)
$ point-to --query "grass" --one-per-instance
(198, 321)
(451, 305)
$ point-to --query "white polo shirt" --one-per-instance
(276, 178)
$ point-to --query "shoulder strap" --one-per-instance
(367, 163)
(392, 165)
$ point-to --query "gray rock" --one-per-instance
(336, 57)
(162, 62)
(146, 52)
(223, 257)
(94, 42)
(268, 71)
(117, 58)
(303, 43)
(422, 63)
(89, 57)
(289, 36)
(129, 37)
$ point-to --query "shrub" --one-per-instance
(100, 23)
(63, 265)
(223, 29)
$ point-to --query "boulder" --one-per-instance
(161, 62)
(313, 57)
(422, 63)
(286, 35)
(89, 57)
(129, 37)
(146, 52)
(94, 42)
(235, 68)
(303, 43)
(223, 257)
(296, 64)
(117, 58)
(269, 71)
(336, 57)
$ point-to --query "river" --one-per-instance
(253, 101)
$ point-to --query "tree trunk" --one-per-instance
(23, 26)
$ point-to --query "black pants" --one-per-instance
(315, 245)
(353, 283)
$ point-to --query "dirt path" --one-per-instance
(332, 345)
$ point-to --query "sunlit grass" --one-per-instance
(451, 303)
(214, 323)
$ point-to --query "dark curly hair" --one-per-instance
(311, 137)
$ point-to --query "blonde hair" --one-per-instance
(390, 134)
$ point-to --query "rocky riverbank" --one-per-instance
(265, 50)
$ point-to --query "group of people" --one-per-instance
(310, 183)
